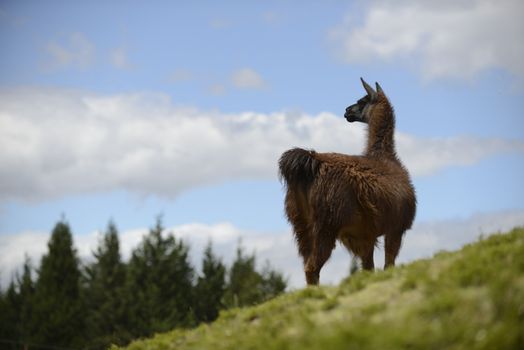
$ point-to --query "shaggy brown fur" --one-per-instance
(354, 199)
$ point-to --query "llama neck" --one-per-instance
(381, 142)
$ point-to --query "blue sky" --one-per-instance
(130, 109)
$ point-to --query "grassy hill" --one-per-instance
(469, 299)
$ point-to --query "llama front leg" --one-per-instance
(323, 243)
(392, 247)
(364, 249)
(367, 259)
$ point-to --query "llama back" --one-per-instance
(298, 167)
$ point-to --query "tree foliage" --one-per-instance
(246, 286)
(105, 281)
(210, 287)
(110, 301)
(59, 311)
(160, 283)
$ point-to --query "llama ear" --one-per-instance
(371, 93)
(379, 89)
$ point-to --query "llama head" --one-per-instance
(360, 111)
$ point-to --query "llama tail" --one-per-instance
(298, 167)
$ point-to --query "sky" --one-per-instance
(127, 110)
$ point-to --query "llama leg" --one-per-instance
(392, 246)
(367, 257)
(304, 242)
(297, 213)
(323, 244)
(368, 262)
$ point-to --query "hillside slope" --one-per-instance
(469, 299)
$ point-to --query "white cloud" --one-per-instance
(446, 39)
(427, 238)
(76, 51)
(247, 78)
(424, 240)
(55, 143)
(429, 155)
(14, 248)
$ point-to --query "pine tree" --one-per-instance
(26, 292)
(5, 320)
(246, 286)
(210, 287)
(244, 281)
(273, 282)
(4, 317)
(16, 309)
(9, 317)
(105, 277)
(159, 287)
(58, 309)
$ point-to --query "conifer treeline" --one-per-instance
(73, 306)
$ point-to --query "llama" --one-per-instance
(352, 198)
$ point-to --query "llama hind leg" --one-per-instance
(298, 214)
(367, 260)
(366, 251)
(392, 247)
(302, 232)
(303, 240)
(323, 243)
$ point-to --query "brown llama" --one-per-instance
(354, 199)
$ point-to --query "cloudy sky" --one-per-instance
(125, 110)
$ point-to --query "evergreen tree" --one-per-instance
(273, 282)
(106, 314)
(9, 317)
(210, 287)
(160, 284)
(244, 281)
(59, 313)
(247, 286)
(26, 291)
(16, 309)
(5, 320)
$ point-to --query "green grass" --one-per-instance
(469, 299)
